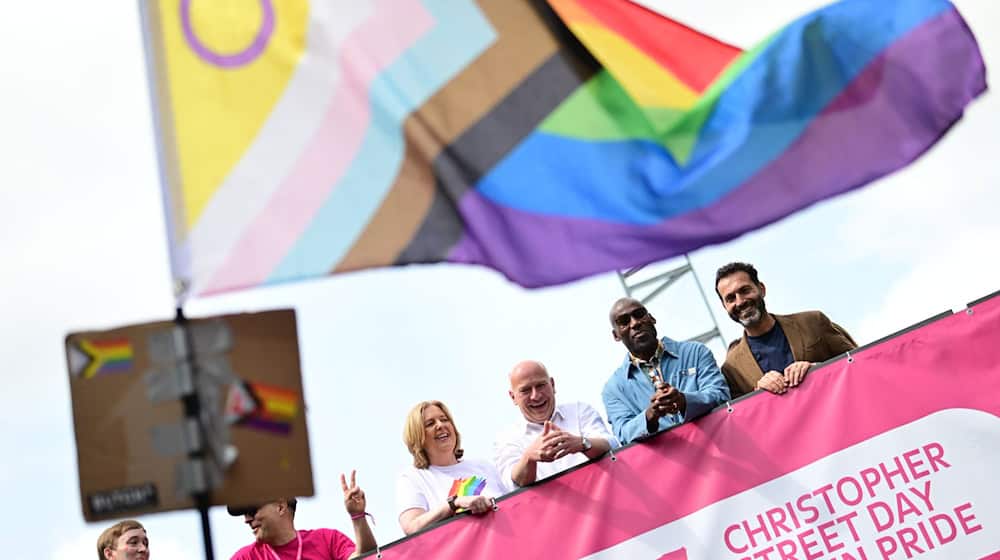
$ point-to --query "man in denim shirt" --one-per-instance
(662, 382)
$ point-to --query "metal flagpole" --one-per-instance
(197, 456)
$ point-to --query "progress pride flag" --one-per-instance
(891, 455)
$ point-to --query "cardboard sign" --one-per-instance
(133, 437)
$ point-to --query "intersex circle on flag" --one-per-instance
(232, 60)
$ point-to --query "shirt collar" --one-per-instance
(666, 346)
(556, 415)
(655, 360)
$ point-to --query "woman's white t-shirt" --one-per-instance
(428, 488)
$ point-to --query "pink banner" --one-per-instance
(891, 454)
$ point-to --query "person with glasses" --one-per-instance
(661, 382)
(273, 526)
(125, 540)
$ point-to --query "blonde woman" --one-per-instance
(440, 483)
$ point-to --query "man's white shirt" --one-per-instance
(576, 418)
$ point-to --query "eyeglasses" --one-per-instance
(625, 319)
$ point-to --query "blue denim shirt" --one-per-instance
(688, 366)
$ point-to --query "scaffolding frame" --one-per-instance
(658, 283)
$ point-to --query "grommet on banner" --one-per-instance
(729, 407)
(968, 311)
(611, 453)
(850, 358)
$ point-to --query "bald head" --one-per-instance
(526, 367)
(617, 306)
(634, 326)
(533, 391)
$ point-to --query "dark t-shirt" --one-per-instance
(771, 350)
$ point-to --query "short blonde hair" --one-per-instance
(109, 538)
(413, 433)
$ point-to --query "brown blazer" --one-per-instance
(812, 336)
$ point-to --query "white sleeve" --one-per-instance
(507, 451)
(593, 425)
(409, 492)
(496, 483)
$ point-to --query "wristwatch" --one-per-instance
(586, 444)
(451, 504)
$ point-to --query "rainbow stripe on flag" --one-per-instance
(113, 355)
(546, 140)
(275, 411)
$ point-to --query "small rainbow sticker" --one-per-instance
(275, 408)
(91, 358)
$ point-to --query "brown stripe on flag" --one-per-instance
(471, 156)
(523, 43)
(464, 162)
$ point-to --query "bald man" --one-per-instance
(661, 382)
(549, 438)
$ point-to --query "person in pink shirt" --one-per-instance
(273, 526)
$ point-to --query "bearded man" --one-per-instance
(776, 351)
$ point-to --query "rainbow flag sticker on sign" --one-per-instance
(273, 409)
(90, 358)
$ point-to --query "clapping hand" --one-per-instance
(667, 400)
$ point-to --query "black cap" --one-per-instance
(240, 511)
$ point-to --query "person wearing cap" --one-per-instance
(548, 438)
(273, 526)
(125, 540)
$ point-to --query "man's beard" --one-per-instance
(759, 311)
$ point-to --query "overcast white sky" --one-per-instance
(83, 247)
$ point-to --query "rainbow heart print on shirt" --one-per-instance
(471, 486)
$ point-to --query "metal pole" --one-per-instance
(704, 298)
(192, 410)
(206, 526)
(665, 280)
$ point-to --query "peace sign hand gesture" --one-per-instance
(354, 496)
